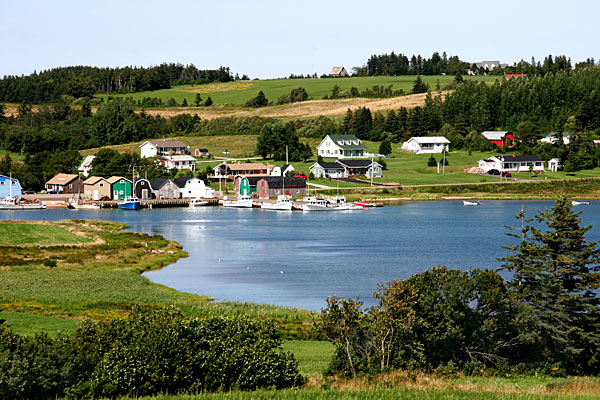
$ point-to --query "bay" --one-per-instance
(298, 259)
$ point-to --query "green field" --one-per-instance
(237, 93)
(18, 234)
(30, 324)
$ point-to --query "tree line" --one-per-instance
(82, 81)
(545, 317)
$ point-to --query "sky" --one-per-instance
(270, 39)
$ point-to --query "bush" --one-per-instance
(431, 162)
(259, 101)
(151, 352)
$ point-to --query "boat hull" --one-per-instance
(238, 204)
(40, 206)
(129, 206)
(280, 207)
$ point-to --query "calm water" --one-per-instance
(298, 259)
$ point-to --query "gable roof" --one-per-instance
(182, 180)
(92, 180)
(346, 142)
(337, 70)
(159, 182)
(328, 165)
(276, 182)
(357, 163)
(62, 179)
(251, 179)
(179, 157)
(430, 139)
(246, 166)
(518, 158)
(166, 143)
(495, 135)
(113, 179)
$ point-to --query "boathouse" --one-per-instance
(96, 188)
(65, 183)
(193, 188)
(165, 188)
(273, 186)
(119, 187)
(7, 185)
(143, 190)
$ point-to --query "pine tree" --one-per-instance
(555, 274)
(385, 147)
(184, 103)
(198, 100)
(208, 102)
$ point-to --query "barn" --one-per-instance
(273, 186)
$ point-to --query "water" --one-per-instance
(299, 259)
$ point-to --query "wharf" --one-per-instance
(162, 203)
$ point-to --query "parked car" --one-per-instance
(506, 174)
(29, 191)
(493, 172)
(56, 191)
(301, 176)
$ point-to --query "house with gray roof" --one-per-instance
(153, 148)
(341, 146)
(338, 72)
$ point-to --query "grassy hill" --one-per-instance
(238, 92)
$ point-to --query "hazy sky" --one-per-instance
(269, 39)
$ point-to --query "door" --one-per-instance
(116, 195)
(95, 195)
(144, 194)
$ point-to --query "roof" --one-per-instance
(166, 143)
(159, 182)
(251, 179)
(336, 70)
(92, 180)
(495, 135)
(114, 179)
(346, 142)
(246, 166)
(87, 161)
(357, 163)
(203, 150)
(328, 165)
(518, 158)
(183, 157)
(62, 179)
(182, 180)
(489, 63)
(430, 139)
(276, 182)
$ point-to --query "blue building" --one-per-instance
(5, 187)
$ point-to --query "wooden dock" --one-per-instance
(157, 203)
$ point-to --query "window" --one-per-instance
(122, 181)
(70, 186)
(120, 192)
(2, 183)
(101, 184)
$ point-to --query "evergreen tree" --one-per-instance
(259, 101)
(198, 100)
(556, 274)
(86, 109)
(385, 147)
(208, 102)
(184, 103)
(420, 86)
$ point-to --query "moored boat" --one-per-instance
(13, 203)
(311, 203)
(198, 203)
(471, 203)
(129, 203)
(242, 201)
(581, 202)
(283, 204)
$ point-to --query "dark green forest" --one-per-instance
(82, 81)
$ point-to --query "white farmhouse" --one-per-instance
(553, 137)
(512, 163)
(190, 187)
(341, 146)
(281, 171)
(426, 144)
(178, 162)
(86, 165)
(345, 168)
(153, 148)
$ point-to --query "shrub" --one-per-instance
(431, 162)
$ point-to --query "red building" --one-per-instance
(500, 138)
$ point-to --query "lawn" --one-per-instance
(237, 93)
(25, 234)
(30, 324)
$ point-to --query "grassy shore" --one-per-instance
(92, 269)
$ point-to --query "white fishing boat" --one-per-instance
(471, 203)
(79, 204)
(198, 203)
(283, 204)
(243, 201)
(339, 203)
(13, 203)
(312, 203)
(581, 202)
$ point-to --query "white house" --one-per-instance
(341, 146)
(86, 165)
(552, 137)
(179, 162)
(513, 163)
(345, 168)
(281, 171)
(193, 188)
(153, 148)
(554, 164)
(426, 144)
